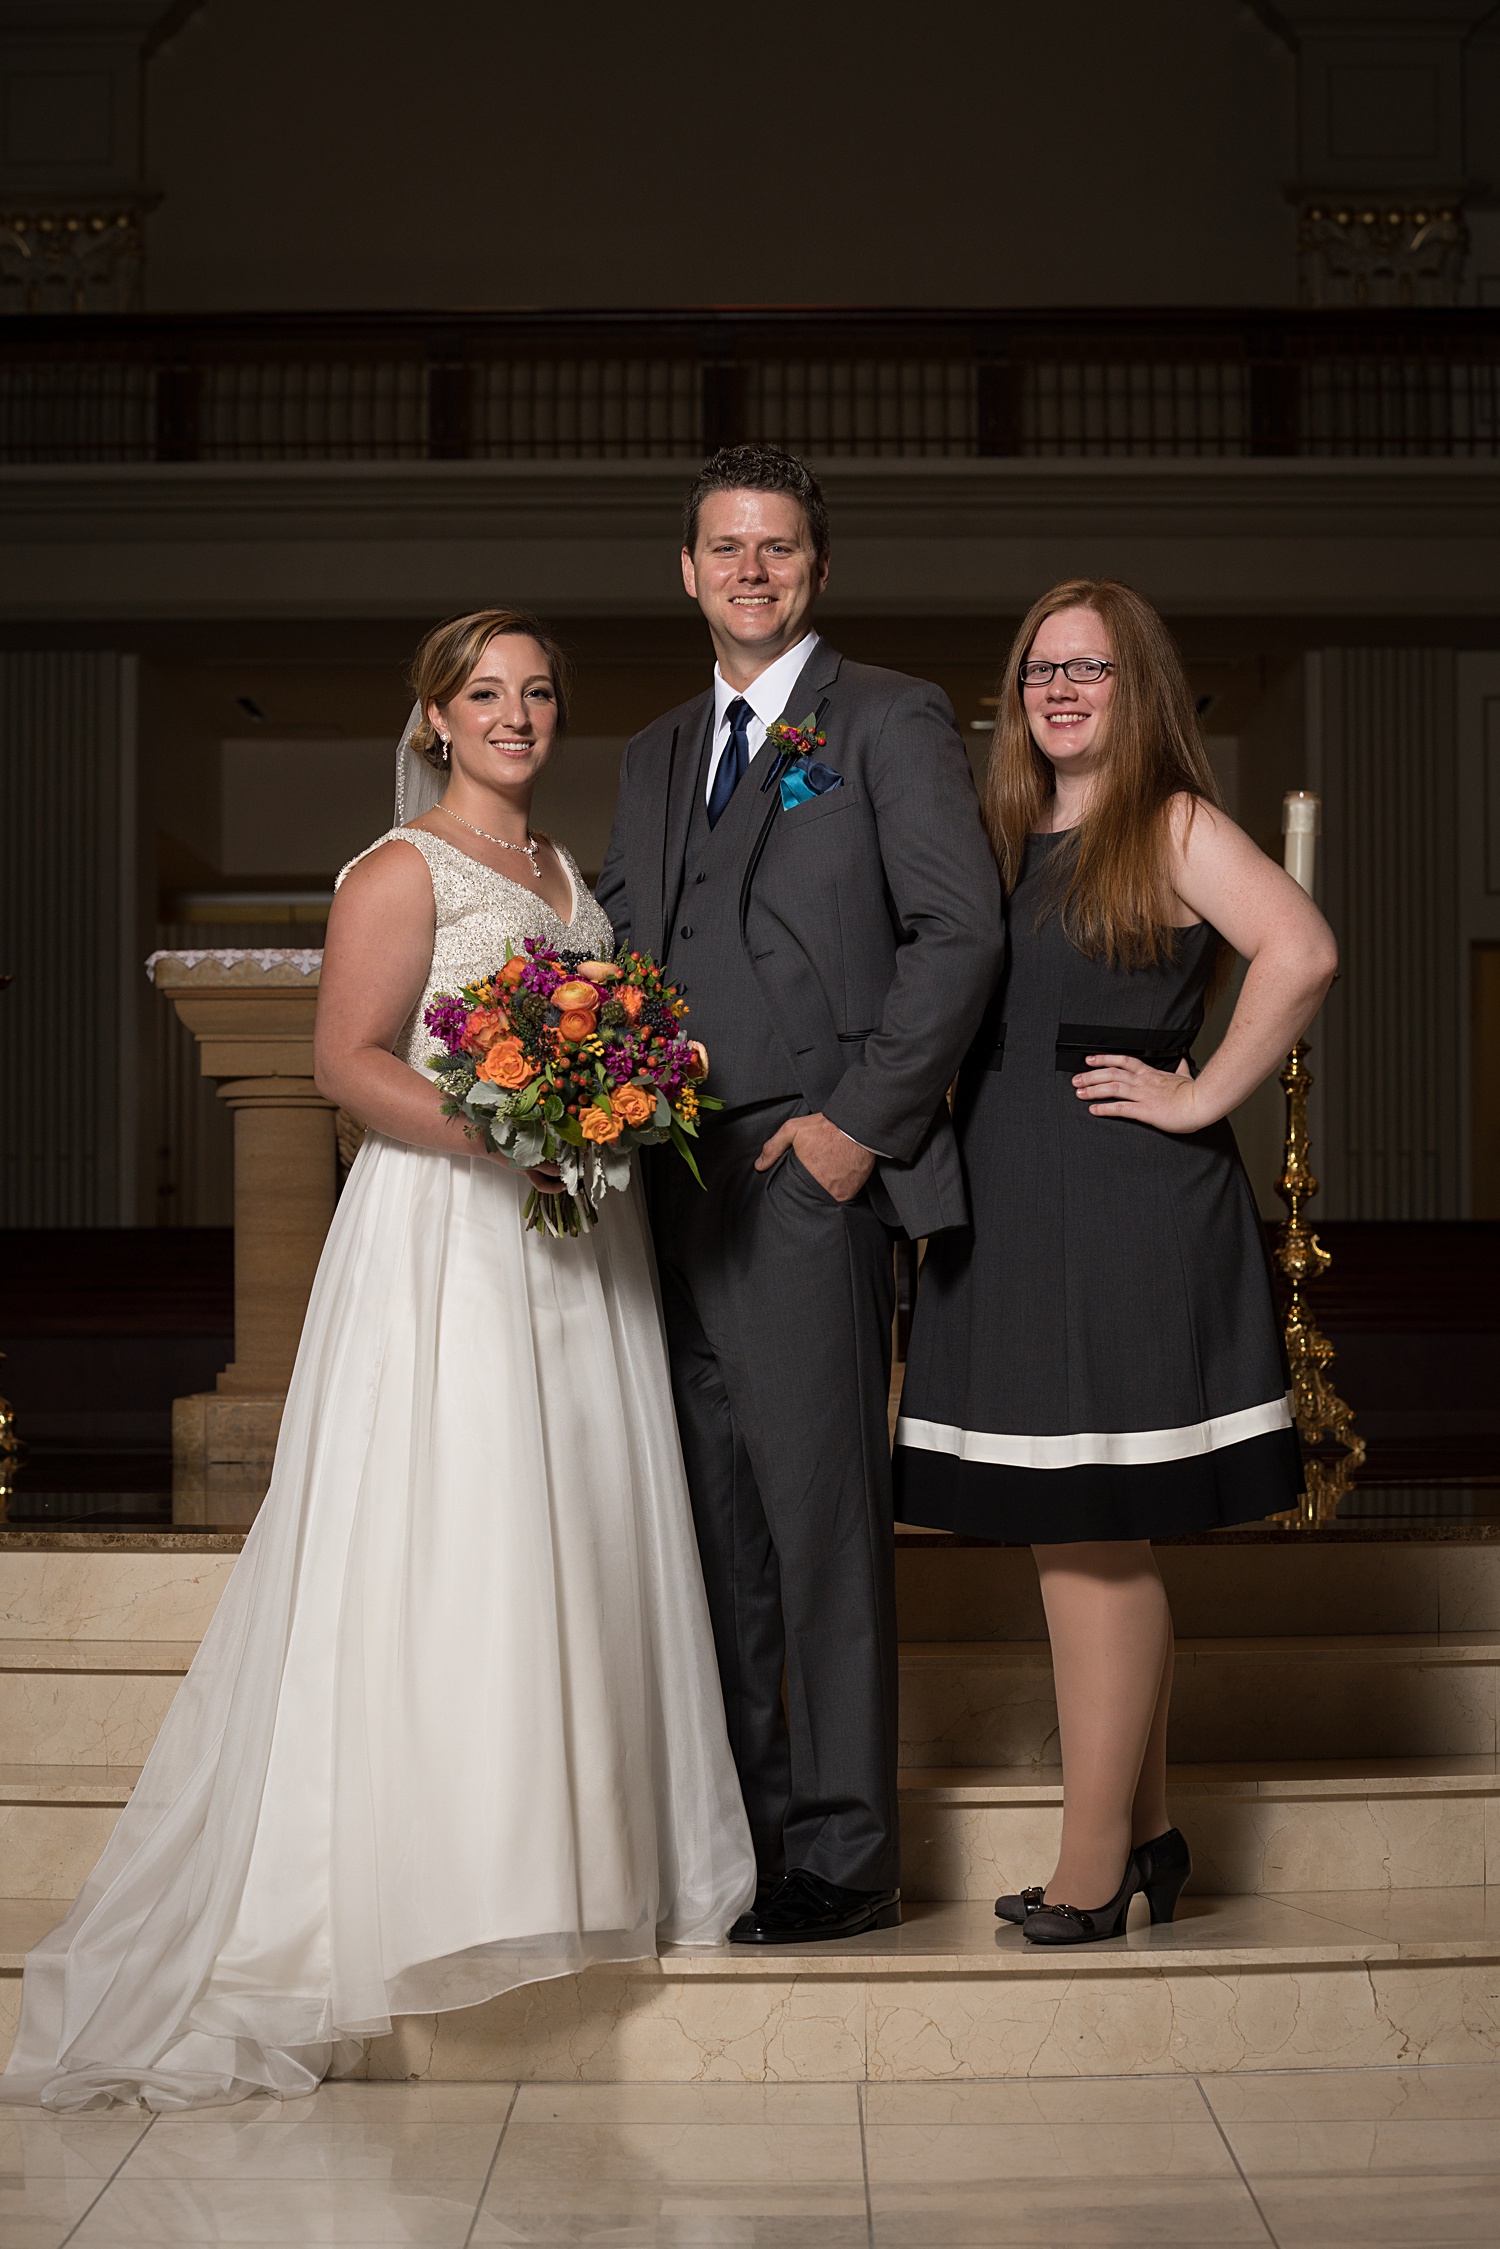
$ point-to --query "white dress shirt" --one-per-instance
(767, 697)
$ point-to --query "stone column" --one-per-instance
(252, 1016)
(284, 1168)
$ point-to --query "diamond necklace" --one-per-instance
(528, 847)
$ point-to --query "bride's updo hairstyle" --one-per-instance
(1112, 875)
(449, 654)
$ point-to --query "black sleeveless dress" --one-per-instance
(1099, 1356)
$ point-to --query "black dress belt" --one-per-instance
(1163, 1049)
(987, 1052)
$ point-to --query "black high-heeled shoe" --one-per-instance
(1163, 1865)
(1016, 1906)
(1071, 1924)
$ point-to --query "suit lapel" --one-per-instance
(815, 681)
(683, 769)
(815, 678)
(684, 774)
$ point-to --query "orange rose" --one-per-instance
(505, 1064)
(632, 1104)
(578, 1023)
(599, 1126)
(572, 997)
(631, 1000)
(700, 1061)
(598, 972)
(483, 1027)
(514, 969)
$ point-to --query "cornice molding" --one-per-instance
(222, 499)
(311, 539)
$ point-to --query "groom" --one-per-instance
(833, 920)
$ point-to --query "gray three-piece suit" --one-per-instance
(834, 957)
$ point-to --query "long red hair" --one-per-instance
(1114, 887)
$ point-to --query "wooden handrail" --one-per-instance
(619, 383)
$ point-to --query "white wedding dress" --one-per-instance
(456, 1724)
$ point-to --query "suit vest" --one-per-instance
(705, 953)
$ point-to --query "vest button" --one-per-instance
(700, 878)
(686, 929)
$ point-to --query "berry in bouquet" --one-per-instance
(556, 1058)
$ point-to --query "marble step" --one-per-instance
(1338, 1695)
(970, 1832)
(981, 1702)
(54, 1822)
(1333, 1980)
(1438, 1583)
(1400, 1824)
(122, 1585)
(163, 1585)
(86, 1702)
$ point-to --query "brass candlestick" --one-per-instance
(1321, 1415)
(10, 1452)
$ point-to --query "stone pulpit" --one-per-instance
(252, 1016)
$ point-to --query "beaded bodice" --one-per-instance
(477, 910)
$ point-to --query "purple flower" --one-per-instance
(445, 1019)
(542, 973)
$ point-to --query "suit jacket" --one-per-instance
(871, 916)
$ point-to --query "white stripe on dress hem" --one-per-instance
(1109, 1448)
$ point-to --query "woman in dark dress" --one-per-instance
(1098, 1361)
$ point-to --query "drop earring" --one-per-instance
(447, 749)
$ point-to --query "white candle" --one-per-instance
(1301, 818)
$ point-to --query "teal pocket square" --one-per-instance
(807, 779)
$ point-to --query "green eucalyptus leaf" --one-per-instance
(528, 1147)
(615, 1164)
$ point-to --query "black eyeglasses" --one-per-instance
(1081, 670)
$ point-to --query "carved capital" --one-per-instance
(1380, 250)
(71, 257)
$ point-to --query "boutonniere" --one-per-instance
(801, 775)
(792, 742)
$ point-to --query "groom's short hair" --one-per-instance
(757, 468)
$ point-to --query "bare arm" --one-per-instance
(1223, 878)
(375, 960)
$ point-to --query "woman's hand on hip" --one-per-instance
(1121, 1085)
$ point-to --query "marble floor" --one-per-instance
(1294, 2159)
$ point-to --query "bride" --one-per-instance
(456, 1724)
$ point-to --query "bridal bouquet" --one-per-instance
(559, 1059)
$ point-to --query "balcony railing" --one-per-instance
(597, 386)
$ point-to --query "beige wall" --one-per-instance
(373, 153)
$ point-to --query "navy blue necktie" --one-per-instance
(730, 770)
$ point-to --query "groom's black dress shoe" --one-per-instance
(766, 1886)
(804, 1909)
